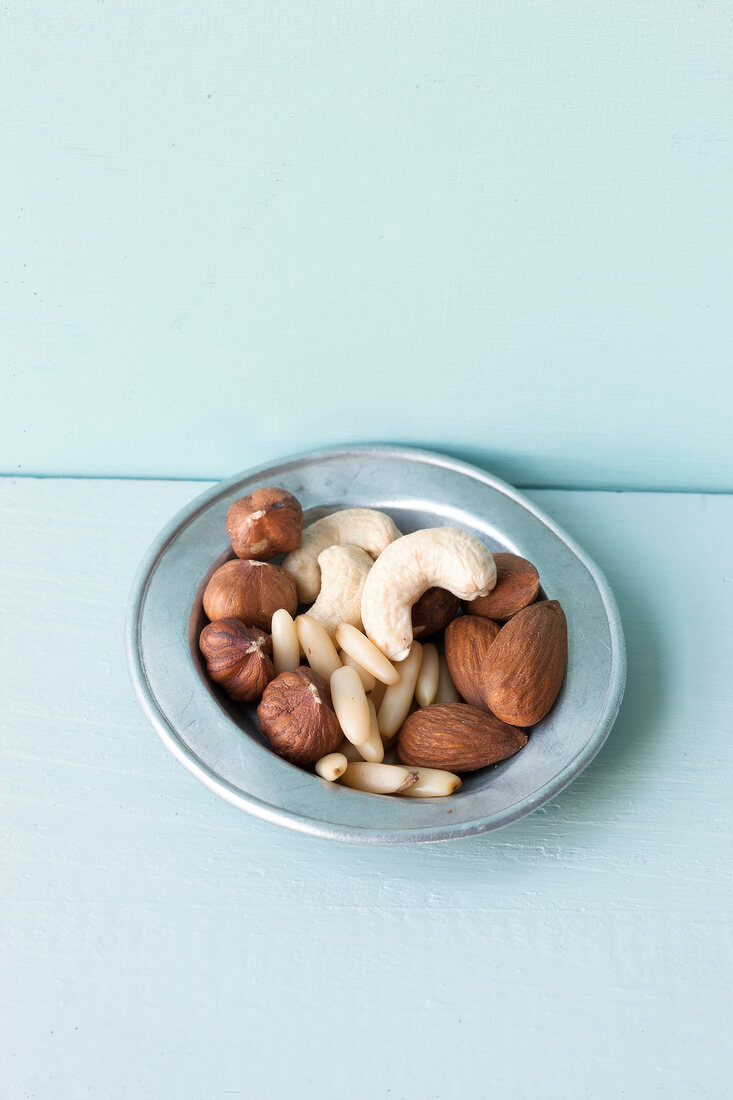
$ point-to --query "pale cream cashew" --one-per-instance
(437, 557)
(343, 573)
(372, 531)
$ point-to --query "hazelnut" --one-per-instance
(251, 591)
(297, 715)
(517, 586)
(265, 523)
(238, 658)
(434, 610)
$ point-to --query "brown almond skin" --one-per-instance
(251, 591)
(237, 658)
(467, 643)
(517, 585)
(434, 610)
(297, 716)
(457, 738)
(525, 667)
(265, 523)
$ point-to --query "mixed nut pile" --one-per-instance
(373, 706)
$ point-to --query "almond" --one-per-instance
(517, 585)
(526, 665)
(467, 642)
(433, 611)
(457, 738)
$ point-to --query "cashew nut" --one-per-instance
(372, 531)
(343, 573)
(440, 557)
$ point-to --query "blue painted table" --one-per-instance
(159, 943)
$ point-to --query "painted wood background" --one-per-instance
(240, 229)
(234, 231)
(160, 943)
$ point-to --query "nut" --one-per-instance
(379, 778)
(265, 523)
(426, 687)
(434, 610)
(343, 573)
(433, 783)
(331, 767)
(251, 591)
(526, 664)
(467, 643)
(456, 737)
(319, 650)
(517, 585)
(372, 531)
(350, 704)
(440, 556)
(298, 718)
(237, 658)
(446, 692)
(395, 705)
(285, 644)
(360, 649)
(372, 750)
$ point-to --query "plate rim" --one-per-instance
(350, 833)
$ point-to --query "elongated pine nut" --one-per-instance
(373, 749)
(398, 697)
(433, 783)
(285, 644)
(366, 677)
(331, 767)
(427, 681)
(350, 703)
(446, 692)
(320, 652)
(358, 646)
(379, 778)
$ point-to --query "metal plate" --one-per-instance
(219, 741)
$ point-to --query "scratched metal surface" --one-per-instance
(158, 942)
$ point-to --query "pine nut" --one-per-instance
(331, 767)
(379, 778)
(427, 682)
(373, 749)
(319, 650)
(285, 644)
(358, 646)
(446, 692)
(366, 677)
(398, 697)
(350, 703)
(433, 783)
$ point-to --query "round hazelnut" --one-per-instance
(434, 610)
(238, 658)
(517, 586)
(265, 523)
(251, 591)
(297, 716)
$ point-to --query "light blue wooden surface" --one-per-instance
(159, 943)
(241, 229)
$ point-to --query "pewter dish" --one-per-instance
(220, 742)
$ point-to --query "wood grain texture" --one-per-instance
(160, 943)
(218, 210)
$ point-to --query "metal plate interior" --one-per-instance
(219, 741)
